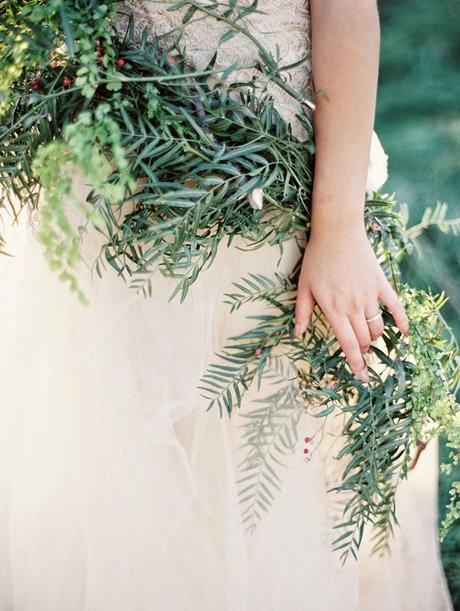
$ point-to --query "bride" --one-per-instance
(118, 490)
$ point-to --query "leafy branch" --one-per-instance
(406, 401)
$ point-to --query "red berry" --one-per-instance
(121, 62)
(35, 84)
(67, 81)
(171, 60)
(305, 451)
(190, 183)
(307, 439)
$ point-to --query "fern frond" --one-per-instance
(257, 287)
(436, 217)
(270, 434)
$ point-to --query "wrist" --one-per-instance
(337, 223)
(335, 215)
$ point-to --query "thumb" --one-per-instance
(303, 311)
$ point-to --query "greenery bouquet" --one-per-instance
(172, 163)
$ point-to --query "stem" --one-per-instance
(262, 50)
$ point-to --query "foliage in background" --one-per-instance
(418, 111)
(172, 163)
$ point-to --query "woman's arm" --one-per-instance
(340, 271)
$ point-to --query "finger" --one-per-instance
(376, 327)
(390, 298)
(303, 311)
(348, 341)
(361, 330)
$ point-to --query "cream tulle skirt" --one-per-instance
(117, 487)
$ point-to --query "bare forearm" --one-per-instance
(345, 58)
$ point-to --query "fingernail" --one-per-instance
(363, 375)
(296, 330)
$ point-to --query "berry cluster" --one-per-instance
(37, 84)
(306, 450)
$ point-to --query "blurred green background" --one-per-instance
(418, 122)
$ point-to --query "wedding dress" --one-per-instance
(117, 487)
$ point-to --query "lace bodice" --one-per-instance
(284, 32)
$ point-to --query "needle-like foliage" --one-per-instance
(172, 162)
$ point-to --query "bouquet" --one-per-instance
(176, 164)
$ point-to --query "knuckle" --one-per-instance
(300, 302)
(357, 364)
(355, 303)
(334, 304)
(330, 310)
(301, 313)
(377, 327)
(347, 346)
(339, 300)
(301, 288)
(301, 320)
(398, 306)
(370, 297)
(393, 301)
(376, 333)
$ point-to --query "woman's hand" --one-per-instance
(341, 274)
